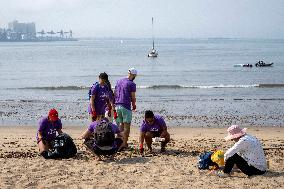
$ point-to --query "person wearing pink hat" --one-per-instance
(247, 153)
(48, 126)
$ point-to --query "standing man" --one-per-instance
(125, 97)
(153, 126)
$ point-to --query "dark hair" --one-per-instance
(149, 114)
(103, 76)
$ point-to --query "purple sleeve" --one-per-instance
(91, 127)
(133, 87)
(143, 127)
(162, 122)
(94, 90)
(115, 129)
(41, 125)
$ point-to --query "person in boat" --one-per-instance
(102, 138)
(247, 153)
(100, 98)
(153, 126)
(124, 92)
(46, 134)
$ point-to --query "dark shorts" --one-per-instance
(155, 133)
(89, 143)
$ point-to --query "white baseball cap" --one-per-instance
(132, 71)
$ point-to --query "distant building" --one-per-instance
(20, 31)
(25, 32)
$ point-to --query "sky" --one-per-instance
(132, 18)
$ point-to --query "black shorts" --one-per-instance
(155, 133)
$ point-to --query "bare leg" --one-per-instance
(126, 134)
(165, 135)
(43, 146)
(148, 140)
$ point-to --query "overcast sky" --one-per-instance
(132, 18)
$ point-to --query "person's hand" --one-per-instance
(133, 106)
(39, 139)
(114, 114)
(94, 113)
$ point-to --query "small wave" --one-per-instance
(57, 88)
(195, 86)
(164, 87)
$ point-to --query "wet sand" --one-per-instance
(22, 167)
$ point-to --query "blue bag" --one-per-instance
(205, 160)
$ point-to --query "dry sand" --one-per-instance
(21, 167)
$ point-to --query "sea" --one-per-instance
(192, 82)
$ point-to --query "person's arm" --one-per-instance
(163, 126)
(92, 102)
(39, 136)
(238, 146)
(133, 100)
(59, 131)
(86, 134)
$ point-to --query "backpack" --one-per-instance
(104, 135)
(64, 147)
(205, 160)
(90, 90)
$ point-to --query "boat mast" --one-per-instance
(153, 32)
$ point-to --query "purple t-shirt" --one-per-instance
(123, 89)
(48, 129)
(101, 94)
(157, 126)
(94, 124)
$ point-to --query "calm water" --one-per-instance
(192, 82)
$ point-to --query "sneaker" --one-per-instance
(222, 174)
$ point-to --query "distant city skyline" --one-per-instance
(128, 18)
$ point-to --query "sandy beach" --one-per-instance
(22, 167)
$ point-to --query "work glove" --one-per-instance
(94, 113)
(114, 114)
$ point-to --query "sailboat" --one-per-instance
(153, 53)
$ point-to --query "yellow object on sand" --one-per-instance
(218, 157)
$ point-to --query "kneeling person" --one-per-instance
(46, 134)
(153, 126)
(100, 138)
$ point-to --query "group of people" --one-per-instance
(105, 137)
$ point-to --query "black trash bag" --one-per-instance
(64, 147)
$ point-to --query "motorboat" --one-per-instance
(263, 64)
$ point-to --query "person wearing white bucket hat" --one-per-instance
(247, 153)
(124, 93)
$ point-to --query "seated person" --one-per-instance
(153, 126)
(247, 153)
(100, 138)
(48, 126)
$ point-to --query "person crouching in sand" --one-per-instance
(48, 126)
(101, 140)
(153, 126)
(247, 153)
